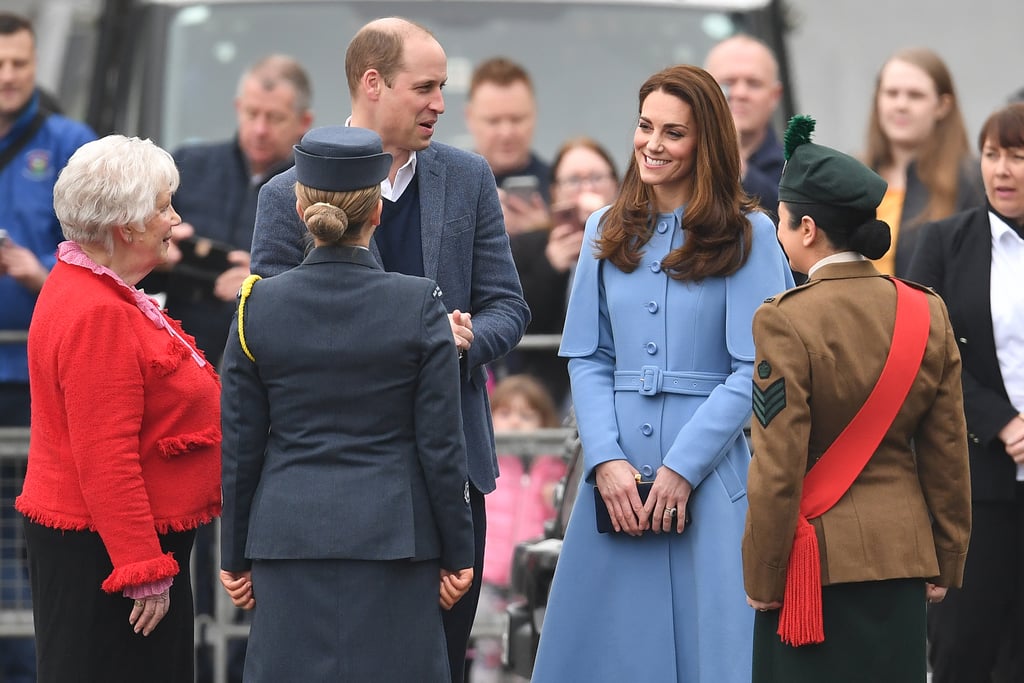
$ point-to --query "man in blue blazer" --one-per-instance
(441, 220)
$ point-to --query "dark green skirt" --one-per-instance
(874, 631)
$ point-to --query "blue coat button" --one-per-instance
(652, 306)
(662, 227)
(647, 470)
(656, 267)
(646, 429)
(651, 348)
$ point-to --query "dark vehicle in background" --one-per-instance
(168, 69)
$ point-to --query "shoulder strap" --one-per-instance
(19, 143)
(243, 295)
(801, 621)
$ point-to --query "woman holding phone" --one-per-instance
(584, 179)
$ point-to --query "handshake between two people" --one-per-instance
(239, 587)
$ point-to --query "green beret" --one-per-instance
(815, 174)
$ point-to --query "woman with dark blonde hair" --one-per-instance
(917, 142)
(658, 336)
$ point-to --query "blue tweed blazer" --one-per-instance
(465, 251)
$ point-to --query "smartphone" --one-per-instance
(562, 214)
(522, 186)
(203, 258)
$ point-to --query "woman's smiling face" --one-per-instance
(665, 146)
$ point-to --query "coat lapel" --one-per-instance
(973, 259)
(430, 173)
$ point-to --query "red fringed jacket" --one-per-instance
(125, 435)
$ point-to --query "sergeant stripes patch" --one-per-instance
(767, 403)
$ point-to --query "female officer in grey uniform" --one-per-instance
(344, 468)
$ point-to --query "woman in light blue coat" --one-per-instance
(659, 336)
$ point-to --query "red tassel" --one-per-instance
(800, 621)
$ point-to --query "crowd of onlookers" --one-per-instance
(916, 141)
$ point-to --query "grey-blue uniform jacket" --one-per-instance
(465, 250)
(343, 433)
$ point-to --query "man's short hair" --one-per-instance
(380, 45)
(275, 69)
(500, 71)
(13, 23)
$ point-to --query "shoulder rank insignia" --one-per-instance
(437, 292)
(769, 402)
(764, 369)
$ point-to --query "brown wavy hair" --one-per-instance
(944, 152)
(718, 233)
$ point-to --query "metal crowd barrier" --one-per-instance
(212, 631)
(15, 594)
(216, 630)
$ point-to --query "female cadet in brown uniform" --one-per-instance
(896, 530)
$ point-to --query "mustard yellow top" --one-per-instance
(889, 211)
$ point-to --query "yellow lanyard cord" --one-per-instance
(242, 296)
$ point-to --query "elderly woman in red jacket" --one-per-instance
(124, 457)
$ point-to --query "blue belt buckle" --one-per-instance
(650, 380)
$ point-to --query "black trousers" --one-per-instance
(82, 632)
(458, 622)
(977, 632)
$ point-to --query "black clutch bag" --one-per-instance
(643, 489)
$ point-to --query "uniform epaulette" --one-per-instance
(243, 295)
(916, 285)
(788, 292)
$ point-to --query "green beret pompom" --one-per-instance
(798, 132)
(815, 174)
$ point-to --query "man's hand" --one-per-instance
(454, 585)
(230, 281)
(22, 265)
(462, 330)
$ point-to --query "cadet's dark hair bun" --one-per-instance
(872, 239)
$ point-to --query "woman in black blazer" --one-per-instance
(347, 522)
(974, 260)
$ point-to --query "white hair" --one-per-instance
(111, 182)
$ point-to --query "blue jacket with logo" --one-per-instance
(26, 213)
